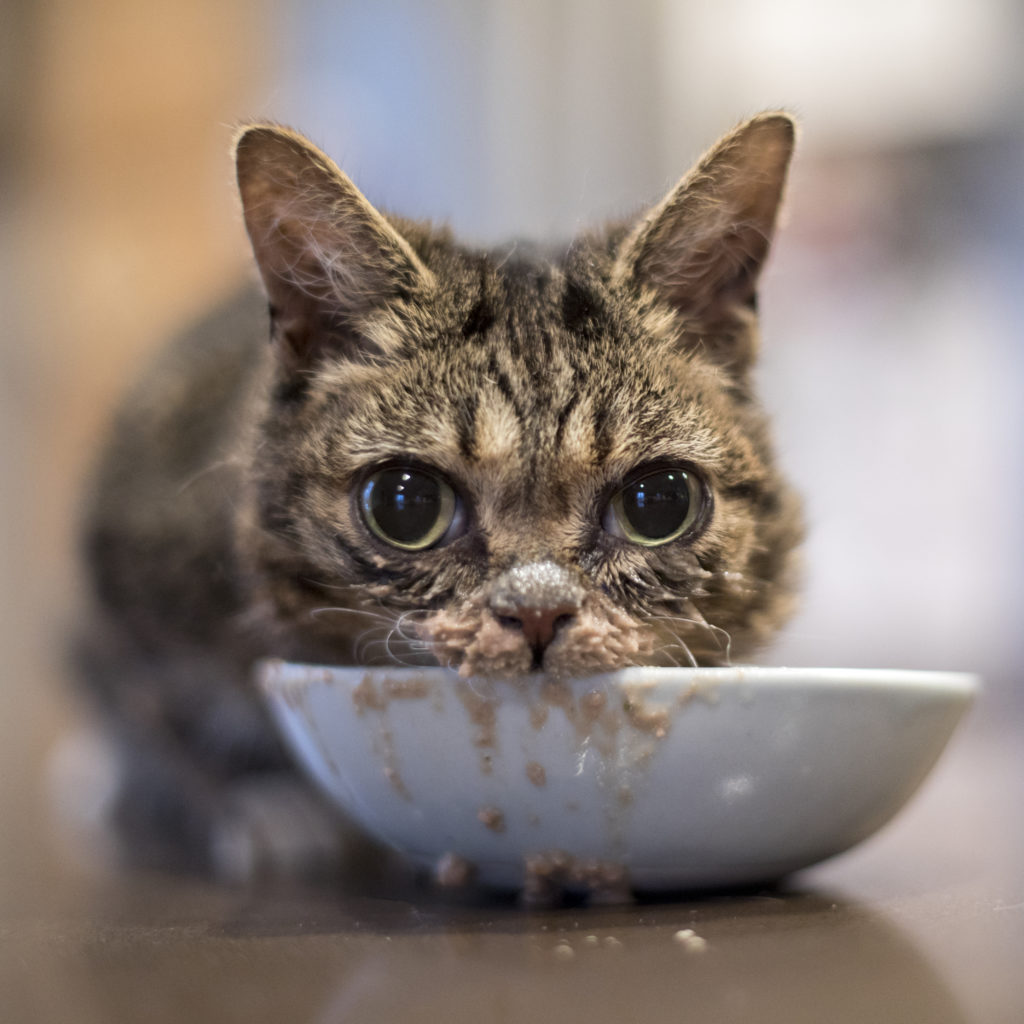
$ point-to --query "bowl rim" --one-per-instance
(274, 674)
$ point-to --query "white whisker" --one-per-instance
(721, 637)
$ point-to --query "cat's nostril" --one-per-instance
(563, 620)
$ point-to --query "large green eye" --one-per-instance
(408, 508)
(655, 508)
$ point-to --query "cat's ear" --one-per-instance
(702, 248)
(326, 256)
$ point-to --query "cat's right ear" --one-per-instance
(702, 249)
(326, 256)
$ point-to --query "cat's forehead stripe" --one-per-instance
(562, 422)
(465, 424)
(482, 315)
(500, 378)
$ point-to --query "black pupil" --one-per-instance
(658, 505)
(404, 504)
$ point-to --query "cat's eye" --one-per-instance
(656, 508)
(408, 507)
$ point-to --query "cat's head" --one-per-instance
(504, 462)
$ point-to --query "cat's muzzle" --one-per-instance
(538, 598)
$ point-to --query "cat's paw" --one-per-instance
(274, 826)
(83, 778)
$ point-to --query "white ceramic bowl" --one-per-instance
(674, 778)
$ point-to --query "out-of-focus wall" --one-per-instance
(509, 116)
(506, 119)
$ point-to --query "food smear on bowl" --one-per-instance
(492, 818)
(453, 871)
(645, 778)
(548, 874)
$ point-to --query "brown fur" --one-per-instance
(226, 522)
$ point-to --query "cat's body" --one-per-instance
(491, 460)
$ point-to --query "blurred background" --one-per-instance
(893, 360)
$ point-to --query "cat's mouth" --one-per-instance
(594, 637)
(597, 636)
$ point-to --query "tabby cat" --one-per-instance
(500, 461)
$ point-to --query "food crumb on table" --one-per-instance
(690, 940)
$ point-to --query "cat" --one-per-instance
(500, 461)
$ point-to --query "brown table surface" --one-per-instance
(924, 922)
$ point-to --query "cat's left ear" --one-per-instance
(326, 256)
(702, 248)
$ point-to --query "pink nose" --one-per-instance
(538, 597)
(539, 625)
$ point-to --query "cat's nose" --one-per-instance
(538, 598)
(539, 625)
